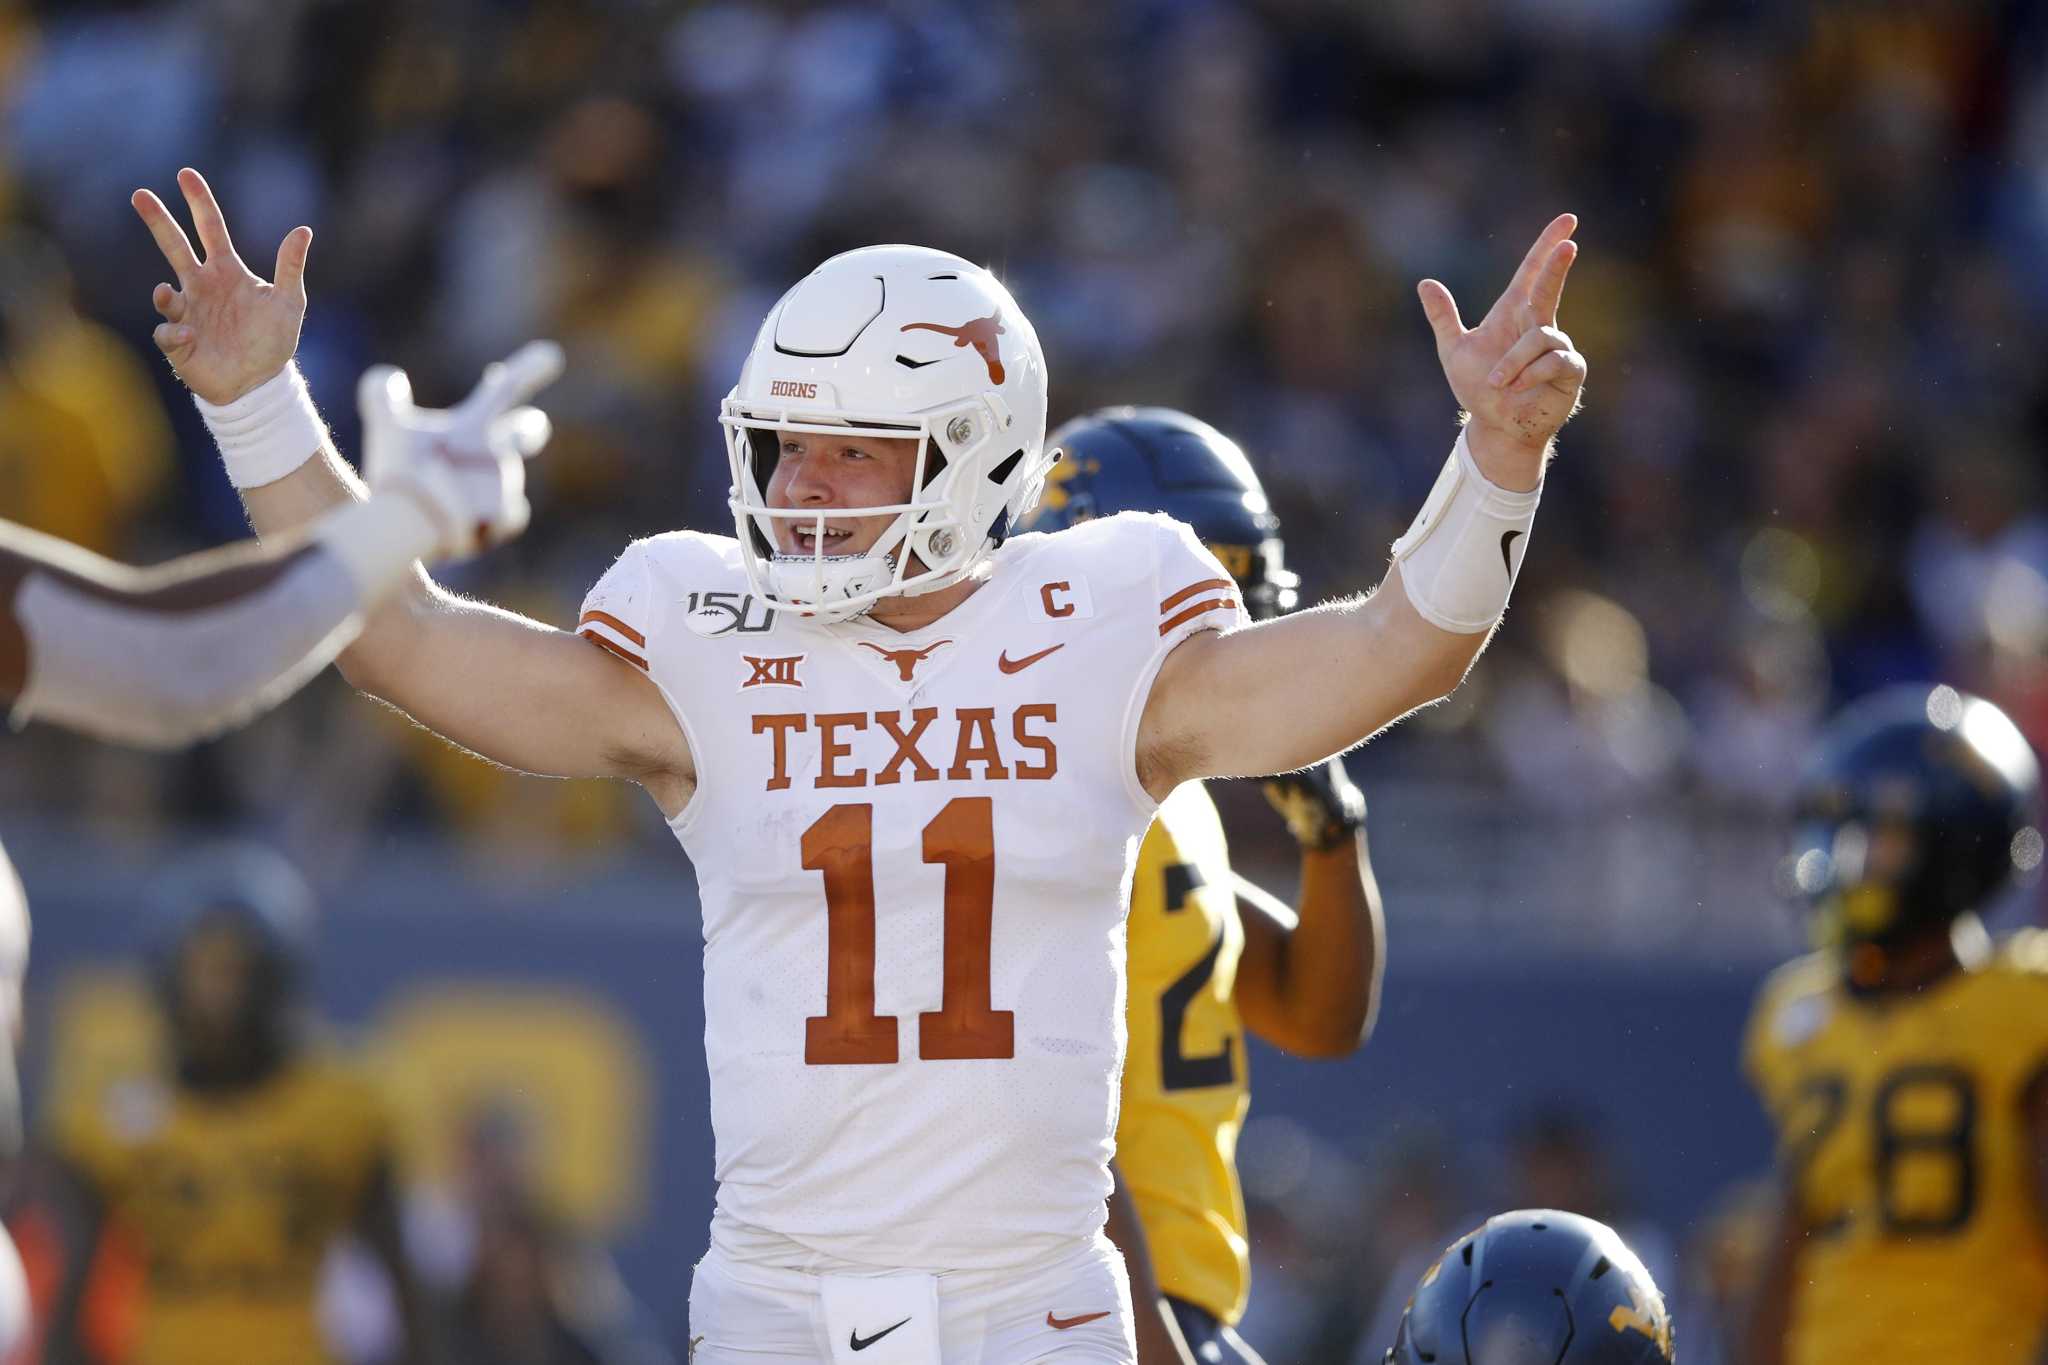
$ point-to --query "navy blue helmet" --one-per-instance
(258, 897)
(1535, 1287)
(1919, 804)
(250, 885)
(1160, 460)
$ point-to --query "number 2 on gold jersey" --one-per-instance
(960, 838)
(1178, 1070)
(1901, 1136)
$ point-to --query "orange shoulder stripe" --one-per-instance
(1214, 604)
(1190, 590)
(606, 618)
(628, 655)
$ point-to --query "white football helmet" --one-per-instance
(891, 341)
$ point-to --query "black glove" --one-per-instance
(1322, 806)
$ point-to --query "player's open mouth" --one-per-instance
(807, 538)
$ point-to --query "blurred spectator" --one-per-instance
(1221, 205)
(1721, 1261)
(493, 1166)
(1556, 1160)
(523, 1289)
(84, 445)
(530, 1299)
(1417, 1189)
(225, 1171)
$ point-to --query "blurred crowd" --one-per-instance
(1810, 292)
(217, 1158)
(216, 1165)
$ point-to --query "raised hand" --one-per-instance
(1515, 372)
(225, 329)
(465, 465)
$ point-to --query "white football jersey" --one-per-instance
(914, 852)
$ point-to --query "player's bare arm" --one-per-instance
(1308, 982)
(230, 633)
(514, 690)
(227, 632)
(1309, 979)
(1351, 668)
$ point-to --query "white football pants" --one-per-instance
(1073, 1306)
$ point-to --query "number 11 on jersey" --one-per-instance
(960, 838)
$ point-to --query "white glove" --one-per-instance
(465, 465)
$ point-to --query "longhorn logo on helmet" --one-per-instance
(980, 333)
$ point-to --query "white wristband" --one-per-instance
(1460, 557)
(267, 432)
(377, 541)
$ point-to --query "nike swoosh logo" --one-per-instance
(1062, 1324)
(1010, 665)
(861, 1343)
(1507, 538)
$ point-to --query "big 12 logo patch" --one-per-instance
(727, 613)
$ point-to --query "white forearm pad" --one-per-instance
(1460, 557)
(267, 432)
(161, 677)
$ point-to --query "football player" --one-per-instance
(167, 656)
(910, 757)
(234, 1166)
(1905, 1064)
(1536, 1287)
(1211, 955)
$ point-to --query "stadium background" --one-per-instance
(1812, 293)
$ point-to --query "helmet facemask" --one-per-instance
(950, 518)
(1267, 586)
(1856, 872)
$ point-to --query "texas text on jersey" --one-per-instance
(905, 844)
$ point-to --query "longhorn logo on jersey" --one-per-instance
(980, 333)
(906, 660)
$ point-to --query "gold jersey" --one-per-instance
(1903, 1138)
(1186, 1078)
(230, 1203)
